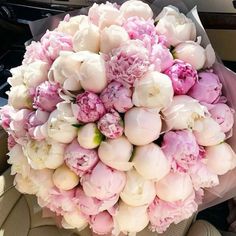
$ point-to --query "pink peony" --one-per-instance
(207, 89)
(111, 125)
(6, 114)
(91, 205)
(47, 96)
(54, 42)
(10, 142)
(35, 52)
(181, 148)
(80, 160)
(102, 223)
(127, 63)
(58, 201)
(162, 213)
(103, 182)
(223, 115)
(116, 96)
(141, 29)
(88, 107)
(183, 76)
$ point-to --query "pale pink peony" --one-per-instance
(6, 114)
(47, 96)
(103, 182)
(141, 29)
(102, 223)
(35, 52)
(161, 57)
(54, 42)
(88, 107)
(91, 205)
(207, 89)
(58, 201)
(10, 142)
(111, 125)
(183, 76)
(127, 63)
(116, 96)
(181, 148)
(80, 160)
(223, 115)
(162, 213)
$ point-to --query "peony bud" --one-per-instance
(142, 126)
(64, 178)
(154, 90)
(110, 154)
(89, 136)
(150, 162)
(138, 191)
(220, 158)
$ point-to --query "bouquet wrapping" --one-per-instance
(126, 117)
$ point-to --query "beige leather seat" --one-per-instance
(21, 216)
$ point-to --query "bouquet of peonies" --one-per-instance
(117, 120)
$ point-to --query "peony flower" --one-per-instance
(17, 75)
(87, 39)
(10, 142)
(183, 112)
(142, 126)
(80, 160)
(53, 42)
(103, 182)
(101, 223)
(175, 26)
(223, 115)
(19, 97)
(34, 52)
(154, 90)
(194, 54)
(35, 73)
(73, 220)
(136, 8)
(220, 158)
(36, 124)
(141, 29)
(64, 178)
(93, 74)
(160, 57)
(58, 201)
(89, 136)
(116, 96)
(150, 162)
(88, 107)
(65, 70)
(202, 177)
(112, 37)
(137, 191)
(162, 214)
(24, 184)
(60, 124)
(110, 153)
(127, 63)
(18, 161)
(208, 132)
(70, 25)
(47, 96)
(111, 125)
(92, 206)
(183, 76)
(44, 154)
(181, 187)
(208, 89)
(6, 114)
(104, 15)
(181, 148)
(126, 220)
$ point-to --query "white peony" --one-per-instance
(17, 77)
